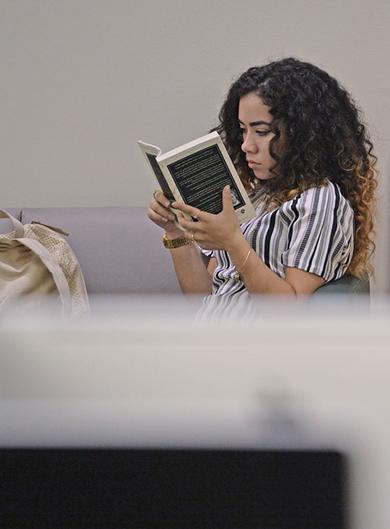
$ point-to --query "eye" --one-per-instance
(263, 132)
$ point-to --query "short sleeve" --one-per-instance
(320, 232)
(207, 253)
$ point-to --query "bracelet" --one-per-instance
(174, 243)
(238, 272)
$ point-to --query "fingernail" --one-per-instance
(174, 204)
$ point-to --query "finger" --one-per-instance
(189, 225)
(188, 234)
(190, 210)
(179, 215)
(161, 198)
(227, 203)
(159, 217)
(193, 237)
(161, 210)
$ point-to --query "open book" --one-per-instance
(197, 172)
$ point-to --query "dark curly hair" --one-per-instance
(318, 136)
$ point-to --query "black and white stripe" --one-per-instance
(312, 232)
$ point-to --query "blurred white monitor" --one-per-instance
(143, 374)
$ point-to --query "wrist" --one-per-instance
(235, 242)
(176, 242)
(173, 234)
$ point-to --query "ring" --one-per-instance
(193, 237)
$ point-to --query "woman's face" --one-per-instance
(255, 123)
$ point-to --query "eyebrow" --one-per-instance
(256, 123)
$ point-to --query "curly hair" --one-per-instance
(319, 136)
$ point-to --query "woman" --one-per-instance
(302, 151)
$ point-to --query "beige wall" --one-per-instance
(82, 80)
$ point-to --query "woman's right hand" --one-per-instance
(159, 212)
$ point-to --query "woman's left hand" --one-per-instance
(210, 231)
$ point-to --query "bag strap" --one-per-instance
(51, 264)
(55, 270)
(16, 224)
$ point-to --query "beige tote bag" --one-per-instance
(37, 265)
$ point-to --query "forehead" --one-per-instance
(252, 108)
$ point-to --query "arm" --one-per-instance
(222, 231)
(259, 279)
(191, 271)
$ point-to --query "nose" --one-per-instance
(248, 144)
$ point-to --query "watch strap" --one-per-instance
(175, 243)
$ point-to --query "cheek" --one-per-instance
(279, 146)
(267, 148)
(274, 147)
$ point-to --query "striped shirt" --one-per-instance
(312, 232)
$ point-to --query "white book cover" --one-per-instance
(196, 174)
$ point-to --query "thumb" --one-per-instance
(226, 199)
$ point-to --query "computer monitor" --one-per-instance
(172, 489)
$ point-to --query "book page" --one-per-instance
(200, 178)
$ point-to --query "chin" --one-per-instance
(262, 175)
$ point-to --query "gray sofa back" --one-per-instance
(120, 250)
(5, 224)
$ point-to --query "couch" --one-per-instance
(120, 250)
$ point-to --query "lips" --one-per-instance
(251, 163)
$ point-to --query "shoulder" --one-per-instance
(320, 228)
(321, 201)
(325, 195)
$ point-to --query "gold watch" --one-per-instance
(174, 243)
